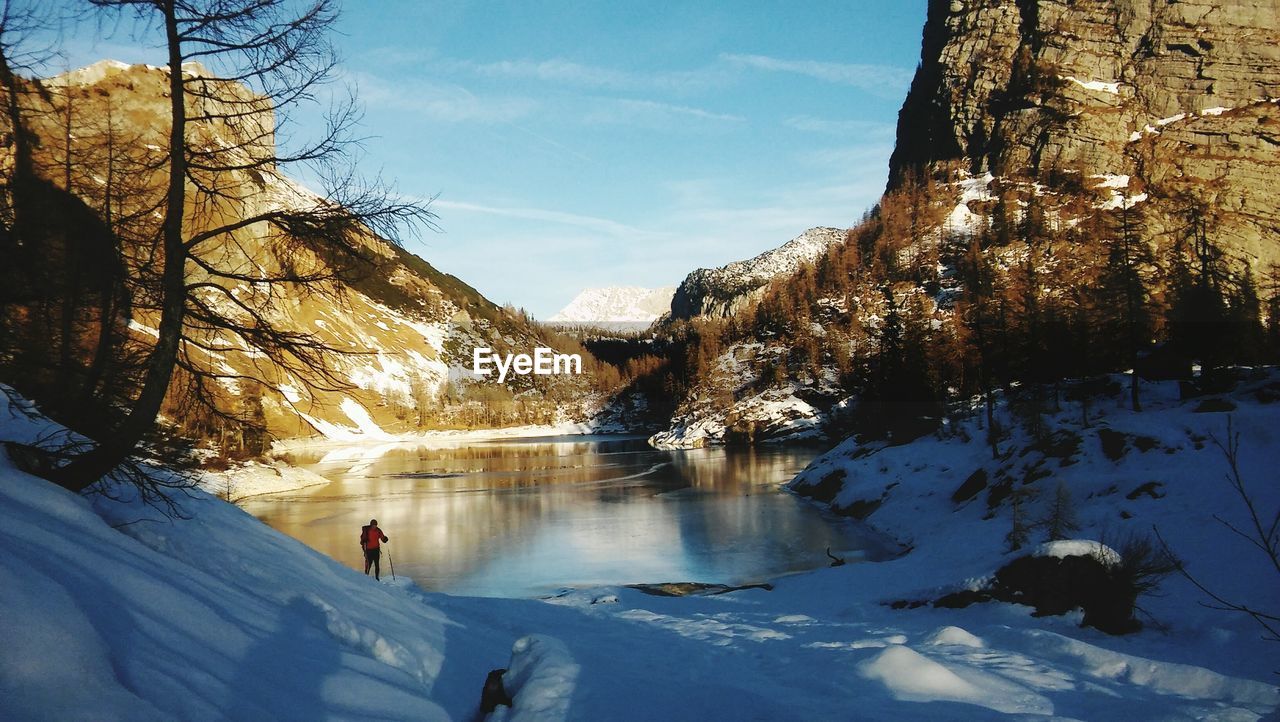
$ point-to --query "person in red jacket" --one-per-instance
(371, 538)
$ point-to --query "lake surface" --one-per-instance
(529, 517)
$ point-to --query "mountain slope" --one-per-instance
(1045, 151)
(406, 331)
(719, 292)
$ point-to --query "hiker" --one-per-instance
(371, 538)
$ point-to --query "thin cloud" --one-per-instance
(441, 102)
(651, 113)
(879, 79)
(599, 225)
(568, 72)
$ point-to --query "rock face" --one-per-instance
(722, 291)
(1181, 96)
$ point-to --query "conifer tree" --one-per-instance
(1124, 288)
(1061, 519)
(1198, 316)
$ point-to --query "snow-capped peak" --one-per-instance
(616, 304)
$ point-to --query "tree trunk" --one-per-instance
(87, 468)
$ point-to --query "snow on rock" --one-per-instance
(771, 415)
(1099, 85)
(1078, 548)
(972, 189)
(90, 74)
(1109, 180)
(540, 681)
(143, 328)
(360, 416)
(365, 429)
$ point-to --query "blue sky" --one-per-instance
(578, 144)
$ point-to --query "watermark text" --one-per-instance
(544, 362)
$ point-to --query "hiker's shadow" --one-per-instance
(282, 676)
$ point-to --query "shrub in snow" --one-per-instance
(1056, 585)
(1065, 575)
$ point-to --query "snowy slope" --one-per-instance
(120, 614)
(615, 305)
(1127, 474)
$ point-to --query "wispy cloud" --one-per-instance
(592, 223)
(879, 79)
(554, 71)
(568, 72)
(441, 102)
(653, 114)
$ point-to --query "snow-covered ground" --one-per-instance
(114, 612)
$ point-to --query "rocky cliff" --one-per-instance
(1072, 109)
(1180, 96)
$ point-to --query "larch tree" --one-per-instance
(62, 264)
(1124, 285)
(235, 233)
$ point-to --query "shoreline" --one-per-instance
(443, 438)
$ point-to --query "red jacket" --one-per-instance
(371, 537)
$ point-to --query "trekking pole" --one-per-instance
(392, 562)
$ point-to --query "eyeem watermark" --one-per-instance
(544, 362)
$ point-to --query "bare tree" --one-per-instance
(236, 233)
(1261, 530)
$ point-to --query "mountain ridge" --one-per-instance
(721, 291)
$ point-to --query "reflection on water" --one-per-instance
(529, 517)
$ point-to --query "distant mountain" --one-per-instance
(615, 307)
(722, 291)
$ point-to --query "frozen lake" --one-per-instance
(529, 517)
